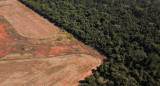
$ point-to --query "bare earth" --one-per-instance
(56, 71)
(35, 52)
(26, 22)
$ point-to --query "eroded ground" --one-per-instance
(35, 52)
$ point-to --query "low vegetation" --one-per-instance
(126, 31)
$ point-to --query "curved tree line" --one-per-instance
(126, 31)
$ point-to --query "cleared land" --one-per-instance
(35, 52)
(56, 71)
(25, 21)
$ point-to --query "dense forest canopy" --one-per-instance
(126, 31)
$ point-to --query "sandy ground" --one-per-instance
(35, 52)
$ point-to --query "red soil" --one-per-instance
(3, 37)
(3, 34)
(43, 49)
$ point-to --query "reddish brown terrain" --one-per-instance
(35, 52)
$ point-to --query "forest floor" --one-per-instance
(35, 52)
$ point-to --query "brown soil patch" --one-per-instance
(60, 71)
(33, 25)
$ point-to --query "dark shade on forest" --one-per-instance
(126, 31)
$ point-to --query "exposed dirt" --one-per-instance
(35, 52)
(33, 25)
(12, 46)
(57, 71)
